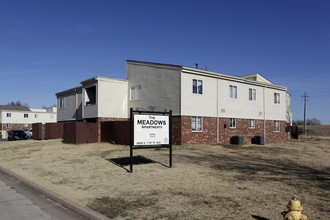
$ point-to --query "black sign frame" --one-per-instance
(136, 147)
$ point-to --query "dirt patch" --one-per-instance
(206, 181)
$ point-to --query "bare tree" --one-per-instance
(45, 107)
(18, 103)
(313, 121)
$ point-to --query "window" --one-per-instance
(232, 92)
(61, 102)
(36, 115)
(277, 98)
(232, 123)
(90, 98)
(197, 86)
(135, 92)
(51, 116)
(197, 124)
(277, 126)
(8, 125)
(252, 94)
(252, 123)
(25, 125)
(26, 115)
(8, 115)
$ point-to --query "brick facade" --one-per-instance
(14, 126)
(183, 134)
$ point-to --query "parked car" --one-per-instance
(28, 132)
(16, 135)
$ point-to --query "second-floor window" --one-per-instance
(61, 102)
(36, 116)
(26, 115)
(197, 86)
(277, 98)
(232, 92)
(135, 92)
(252, 94)
(8, 115)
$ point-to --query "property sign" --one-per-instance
(151, 129)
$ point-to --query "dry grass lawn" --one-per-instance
(206, 181)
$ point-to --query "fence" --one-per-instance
(54, 130)
(80, 132)
(37, 131)
(117, 132)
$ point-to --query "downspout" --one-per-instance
(218, 109)
(264, 110)
(76, 104)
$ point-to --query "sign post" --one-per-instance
(149, 129)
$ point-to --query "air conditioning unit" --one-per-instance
(259, 140)
(239, 140)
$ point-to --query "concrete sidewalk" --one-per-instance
(22, 199)
(16, 206)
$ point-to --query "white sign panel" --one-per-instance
(151, 129)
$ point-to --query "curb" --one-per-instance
(85, 212)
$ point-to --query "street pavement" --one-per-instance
(18, 202)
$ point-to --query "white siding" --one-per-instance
(17, 117)
(198, 104)
(112, 99)
(275, 111)
(240, 107)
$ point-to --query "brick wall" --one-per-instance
(276, 137)
(14, 126)
(176, 130)
(242, 129)
(184, 135)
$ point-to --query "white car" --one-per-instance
(28, 133)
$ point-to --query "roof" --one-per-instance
(153, 63)
(14, 107)
(248, 79)
(68, 91)
(101, 78)
(256, 77)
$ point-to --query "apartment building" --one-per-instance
(21, 117)
(211, 107)
(208, 107)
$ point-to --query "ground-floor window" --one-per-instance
(232, 123)
(277, 126)
(8, 125)
(252, 123)
(196, 123)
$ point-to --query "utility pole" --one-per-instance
(305, 111)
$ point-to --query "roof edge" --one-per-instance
(153, 63)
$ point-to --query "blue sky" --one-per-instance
(48, 46)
